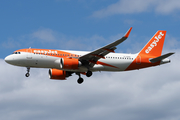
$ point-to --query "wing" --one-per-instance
(91, 58)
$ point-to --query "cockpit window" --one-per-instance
(16, 53)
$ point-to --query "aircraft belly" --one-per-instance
(40, 61)
(98, 68)
(112, 65)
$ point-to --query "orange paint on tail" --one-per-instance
(152, 49)
(155, 45)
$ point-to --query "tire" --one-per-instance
(27, 74)
(80, 80)
(89, 74)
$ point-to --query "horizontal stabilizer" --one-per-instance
(153, 60)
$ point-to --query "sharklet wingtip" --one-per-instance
(128, 32)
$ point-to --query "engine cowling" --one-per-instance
(69, 63)
(57, 74)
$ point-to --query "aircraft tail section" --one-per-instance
(160, 58)
(155, 45)
(150, 55)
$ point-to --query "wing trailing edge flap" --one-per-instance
(160, 58)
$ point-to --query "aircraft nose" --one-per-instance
(8, 59)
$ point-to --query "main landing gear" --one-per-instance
(89, 73)
(81, 80)
(28, 70)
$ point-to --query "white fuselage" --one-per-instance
(112, 61)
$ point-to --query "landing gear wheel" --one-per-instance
(27, 74)
(28, 70)
(80, 80)
(89, 73)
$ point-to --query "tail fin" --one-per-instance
(155, 45)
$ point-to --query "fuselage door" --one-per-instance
(138, 60)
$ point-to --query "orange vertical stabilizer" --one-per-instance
(155, 45)
(151, 50)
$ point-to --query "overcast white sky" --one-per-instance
(147, 94)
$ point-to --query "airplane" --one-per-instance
(63, 63)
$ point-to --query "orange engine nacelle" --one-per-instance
(69, 63)
(57, 74)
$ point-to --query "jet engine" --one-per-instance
(58, 74)
(69, 63)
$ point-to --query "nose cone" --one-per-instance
(9, 59)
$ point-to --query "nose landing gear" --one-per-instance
(28, 70)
